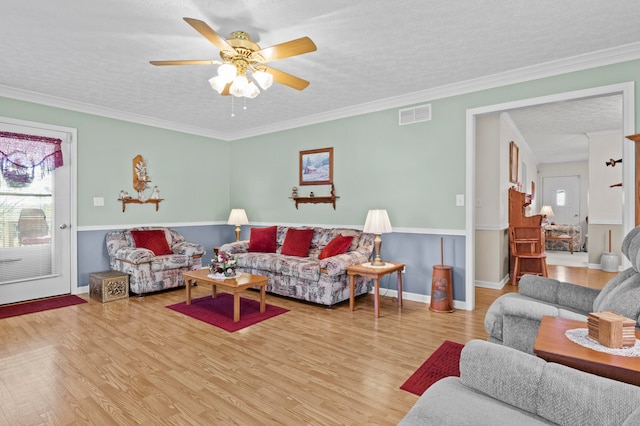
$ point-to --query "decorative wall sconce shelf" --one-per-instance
(330, 199)
(126, 201)
(140, 184)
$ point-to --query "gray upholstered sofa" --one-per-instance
(514, 318)
(503, 386)
(147, 271)
(323, 281)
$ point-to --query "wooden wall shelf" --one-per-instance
(126, 201)
(316, 200)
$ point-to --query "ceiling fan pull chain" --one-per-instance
(245, 103)
(232, 113)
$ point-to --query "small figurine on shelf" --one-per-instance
(155, 194)
(141, 196)
(122, 193)
(311, 195)
(294, 192)
(333, 191)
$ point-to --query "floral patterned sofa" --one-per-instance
(154, 257)
(323, 281)
(573, 231)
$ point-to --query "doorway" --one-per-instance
(628, 178)
(37, 205)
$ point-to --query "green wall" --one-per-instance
(414, 171)
(191, 172)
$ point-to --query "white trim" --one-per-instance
(628, 179)
(599, 58)
(415, 297)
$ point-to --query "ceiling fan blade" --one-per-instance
(287, 49)
(186, 62)
(210, 34)
(287, 79)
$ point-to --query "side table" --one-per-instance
(106, 286)
(553, 346)
(368, 271)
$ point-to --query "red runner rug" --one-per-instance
(16, 309)
(219, 311)
(444, 362)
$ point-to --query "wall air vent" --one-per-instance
(415, 114)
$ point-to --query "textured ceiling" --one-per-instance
(93, 55)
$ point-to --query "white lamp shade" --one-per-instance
(251, 91)
(237, 217)
(227, 72)
(546, 211)
(218, 83)
(264, 79)
(377, 222)
(239, 85)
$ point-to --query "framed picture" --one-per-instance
(513, 162)
(316, 167)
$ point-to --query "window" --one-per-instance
(561, 197)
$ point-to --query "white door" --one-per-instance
(562, 193)
(35, 236)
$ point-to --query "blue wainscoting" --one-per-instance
(418, 251)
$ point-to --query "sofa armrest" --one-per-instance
(337, 265)
(133, 255)
(235, 247)
(503, 373)
(190, 249)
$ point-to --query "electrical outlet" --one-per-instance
(404, 269)
(459, 200)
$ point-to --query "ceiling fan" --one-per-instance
(240, 55)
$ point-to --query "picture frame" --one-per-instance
(513, 162)
(316, 166)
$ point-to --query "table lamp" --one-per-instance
(546, 212)
(237, 217)
(377, 223)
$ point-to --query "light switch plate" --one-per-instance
(98, 201)
(459, 200)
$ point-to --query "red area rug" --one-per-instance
(219, 311)
(39, 305)
(444, 362)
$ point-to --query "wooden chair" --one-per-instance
(527, 248)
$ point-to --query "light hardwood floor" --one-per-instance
(134, 361)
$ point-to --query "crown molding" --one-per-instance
(599, 58)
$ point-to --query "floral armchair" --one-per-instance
(155, 258)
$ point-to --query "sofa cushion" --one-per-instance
(297, 242)
(152, 239)
(340, 244)
(263, 239)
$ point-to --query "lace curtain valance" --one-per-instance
(21, 154)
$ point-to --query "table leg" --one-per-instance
(214, 291)
(376, 301)
(263, 299)
(351, 291)
(236, 307)
(399, 273)
(188, 287)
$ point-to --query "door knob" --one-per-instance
(63, 226)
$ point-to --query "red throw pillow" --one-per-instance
(297, 242)
(340, 244)
(152, 239)
(263, 239)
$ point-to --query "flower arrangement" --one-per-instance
(223, 264)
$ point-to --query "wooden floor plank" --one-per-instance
(133, 361)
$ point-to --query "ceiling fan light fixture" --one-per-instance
(251, 91)
(239, 86)
(217, 83)
(264, 79)
(227, 72)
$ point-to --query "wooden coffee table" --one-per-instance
(233, 285)
(552, 345)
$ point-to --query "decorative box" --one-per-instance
(611, 330)
(108, 285)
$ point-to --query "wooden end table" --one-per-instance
(234, 285)
(374, 272)
(567, 238)
(552, 345)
